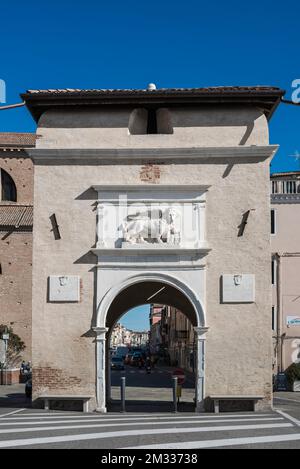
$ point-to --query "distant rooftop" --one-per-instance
(14, 140)
(286, 174)
(265, 97)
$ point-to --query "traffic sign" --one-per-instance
(180, 376)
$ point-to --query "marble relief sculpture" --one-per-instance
(152, 226)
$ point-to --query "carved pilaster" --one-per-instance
(200, 333)
(100, 368)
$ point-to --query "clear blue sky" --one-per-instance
(137, 319)
(117, 44)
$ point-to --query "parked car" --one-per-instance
(117, 363)
(136, 358)
(122, 351)
(28, 388)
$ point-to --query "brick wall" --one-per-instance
(16, 256)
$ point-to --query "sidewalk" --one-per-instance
(287, 396)
(14, 396)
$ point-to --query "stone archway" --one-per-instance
(136, 290)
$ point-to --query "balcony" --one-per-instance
(285, 190)
(285, 186)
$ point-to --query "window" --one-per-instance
(150, 121)
(273, 270)
(274, 322)
(273, 221)
(8, 187)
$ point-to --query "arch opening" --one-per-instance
(176, 301)
(149, 292)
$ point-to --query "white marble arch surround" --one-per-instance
(181, 268)
(104, 300)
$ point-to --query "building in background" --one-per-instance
(172, 337)
(121, 336)
(155, 338)
(285, 243)
(16, 220)
(180, 339)
(139, 338)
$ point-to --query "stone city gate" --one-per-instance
(182, 204)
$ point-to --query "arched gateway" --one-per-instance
(141, 289)
(166, 179)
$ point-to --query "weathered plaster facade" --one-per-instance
(285, 203)
(223, 148)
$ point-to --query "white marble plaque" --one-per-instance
(238, 288)
(64, 288)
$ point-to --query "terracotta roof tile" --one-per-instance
(17, 140)
(286, 174)
(16, 216)
(207, 90)
(264, 97)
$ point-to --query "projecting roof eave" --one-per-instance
(286, 174)
(266, 98)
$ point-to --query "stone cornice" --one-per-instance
(61, 155)
(150, 187)
(137, 250)
(285, 198)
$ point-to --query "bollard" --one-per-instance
(123, 384)
(175, 379)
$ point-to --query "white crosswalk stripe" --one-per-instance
(144, 417)
(222, 443)
(145, 431)
(109, 425)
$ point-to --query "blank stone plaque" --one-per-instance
(64, 288)
(238, 288)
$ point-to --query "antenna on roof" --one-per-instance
(151, 87)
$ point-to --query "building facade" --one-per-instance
(172, 337)
(179, 339)
(16, 219)
(121, 336)
(143, 193)
(285, 242)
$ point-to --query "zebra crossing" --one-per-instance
(54, 429)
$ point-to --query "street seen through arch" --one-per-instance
(148, 358)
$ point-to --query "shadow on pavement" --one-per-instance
(150, 406)
(14, 400)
